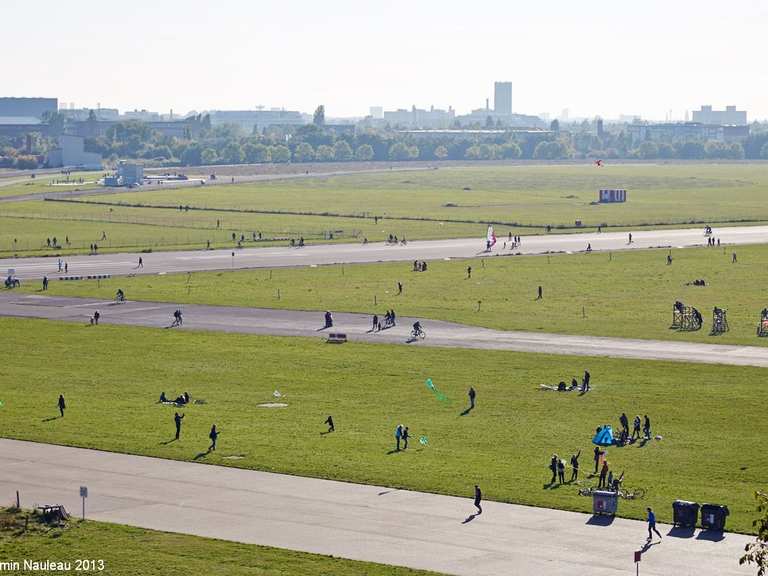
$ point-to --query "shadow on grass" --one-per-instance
(467, 411)
(51, 419)
(171, 441)
(600, 520)
(201, 455)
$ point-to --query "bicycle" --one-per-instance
(415, 334)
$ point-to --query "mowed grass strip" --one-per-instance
(711, 418)
(530, 195)
(44, 183)
(626, 294)
(127, 551)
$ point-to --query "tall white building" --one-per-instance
(502, 97)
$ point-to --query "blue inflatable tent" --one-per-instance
(604, 436)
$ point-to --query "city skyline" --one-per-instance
(297, 55)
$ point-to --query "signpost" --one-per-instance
(638, 557)
(83, 495)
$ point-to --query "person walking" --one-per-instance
(45, 283)
(66, 268)
(213, 435)
(540, 294)
(141, 262)
(652, 524)
(630, 238)
(471, 395)
(96, 316)
(375, 323)
(329, 421)
(62, 405)
(177, 418)
(575, 466)
(478, 499)
(469, 272)
(733, 258)
(399, 288)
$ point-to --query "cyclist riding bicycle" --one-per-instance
(417, 330)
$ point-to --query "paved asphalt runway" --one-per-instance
(357, 327)
(354, 521)
(190, 261)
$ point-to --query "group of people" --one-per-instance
(401, 436)
(383, 322)
(392, 239)
(583, 387)
(181, 399)
(624, 435)
(557, 467)
(178, 319)
(419, 266)
(63, 266)
(607, 480)
(697, 282)
(711, 241)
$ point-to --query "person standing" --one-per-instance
(636, 427)
(575, 466)
(652, 524)
(177, 418)
(213, 435)
(733, 258)
(375, 323)
(585, 381)
(469, 272)
(630, 238)
(45, 283)
(398, 436)
(597, 458)
(553, 468)
(647, 427)
(603, 475)
(624, 421)
(406, 435)
(471, 395)
(399, 288)
(561, 471)
(478, 499)
(540, 293)
(329, 421)
(62, 405)
(66, 268)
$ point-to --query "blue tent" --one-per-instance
(604, 436)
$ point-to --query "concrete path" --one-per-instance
(354, 521)
(190, 261)
(357, 327)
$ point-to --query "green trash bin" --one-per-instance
(605, 502)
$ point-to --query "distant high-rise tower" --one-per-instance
(502, 97)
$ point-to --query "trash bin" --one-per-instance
(685, 513)
(713, 516)
(604, 502)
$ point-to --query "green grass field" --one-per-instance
(127, 551)
(30, 223)
(712, 418)
(625, 294)
(529, 195)
(43, 183)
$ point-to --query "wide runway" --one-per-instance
(192, 261)
(354, 521)
(358, 327)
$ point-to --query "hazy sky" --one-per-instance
(603, 57)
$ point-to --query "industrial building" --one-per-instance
(257, 120)
(71, 153)
(29, 107)
(682, 131)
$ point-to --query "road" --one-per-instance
(193, 182)
(372, 523)
(357, 327)
(199, 260)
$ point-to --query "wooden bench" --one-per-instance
(336, 338)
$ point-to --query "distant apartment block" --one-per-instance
(249, 120)
(728, 117)
(28, 107)
(680, 131)
(502, 97)
(418, 118)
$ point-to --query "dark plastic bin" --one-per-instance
(713, 516)
(685, 513)
(604, 502)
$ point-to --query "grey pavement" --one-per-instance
(358, 327)
(359, 522)
(200, 260)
